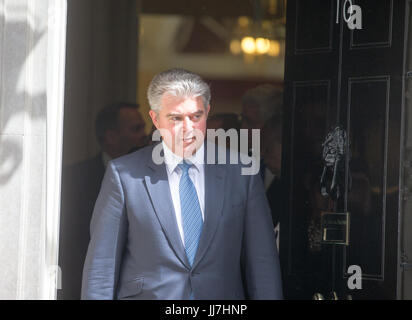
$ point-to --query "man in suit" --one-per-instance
(259, 104)
(119, 128)
(181, 228)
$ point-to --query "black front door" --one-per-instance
(351, 75)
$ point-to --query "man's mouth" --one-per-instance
(189, 139)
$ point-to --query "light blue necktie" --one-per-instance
(191, 213)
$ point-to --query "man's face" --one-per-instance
(182, 122)
(130, 132)
(251, 118)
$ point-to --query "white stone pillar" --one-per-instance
(32, 54)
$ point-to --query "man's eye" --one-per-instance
(175, 118)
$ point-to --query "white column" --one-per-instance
(32, 52)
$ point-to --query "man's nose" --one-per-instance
(187, 124)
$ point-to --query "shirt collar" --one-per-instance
(106, 158)
(172, 160)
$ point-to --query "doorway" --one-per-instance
(353, 78)
(114, 50)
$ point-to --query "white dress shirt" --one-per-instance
(196, 174)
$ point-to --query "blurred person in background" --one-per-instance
(225, 121)
(120, 129)
(258, 105)
(271, 151)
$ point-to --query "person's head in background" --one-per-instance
(120, 128)
(223, 121)
(271, 141)
(259, 104)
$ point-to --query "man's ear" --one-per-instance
(207, 110)
(153, 116)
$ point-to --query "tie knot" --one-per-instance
(184, 166)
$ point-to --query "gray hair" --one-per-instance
(180, 83)
(267, 97)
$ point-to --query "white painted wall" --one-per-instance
(32, 51)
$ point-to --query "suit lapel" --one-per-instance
(159, 191)
(215, 176)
